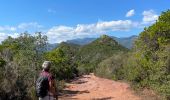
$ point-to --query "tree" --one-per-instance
(23, 57)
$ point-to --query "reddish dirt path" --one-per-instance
(90, 87)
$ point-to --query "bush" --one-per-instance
(110, 68)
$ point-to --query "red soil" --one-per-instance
(90, 87)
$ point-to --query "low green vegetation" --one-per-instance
(111, 67)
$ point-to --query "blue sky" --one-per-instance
(63, 20)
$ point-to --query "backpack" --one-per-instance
(42, 86)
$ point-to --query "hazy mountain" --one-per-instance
(125, 41)
(81, 41)
(52, 46)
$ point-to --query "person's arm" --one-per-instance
(55, 90)
(52, 85)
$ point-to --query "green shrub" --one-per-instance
(111, 67)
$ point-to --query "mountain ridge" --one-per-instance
(103, 47)
(125, 41)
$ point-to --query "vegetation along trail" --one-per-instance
(90, 87)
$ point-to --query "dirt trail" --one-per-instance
(90, 87)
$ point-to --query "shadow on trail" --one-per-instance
(72, 93)
(105, 98)
(77, 80)
(69, 94)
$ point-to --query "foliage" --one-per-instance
(110, 67)
(2, 62)
(148, 64)
(22, 57)
(64, 62)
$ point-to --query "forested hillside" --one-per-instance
(124, 41)
(91, 54)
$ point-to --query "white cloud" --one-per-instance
(130, 13)
(149, 17)
(51, 11)
(120, 25)
(62, 33)
(7, 28)
(14, 35)
(21, 27)
(3, 36)
(14, 31)
(29, 25)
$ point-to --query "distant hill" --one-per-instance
(83, 41)
(126, 41)
(52, 46)
(69, 49)
(91, 54)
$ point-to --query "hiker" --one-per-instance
(45, 84)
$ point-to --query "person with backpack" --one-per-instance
(45, 84)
